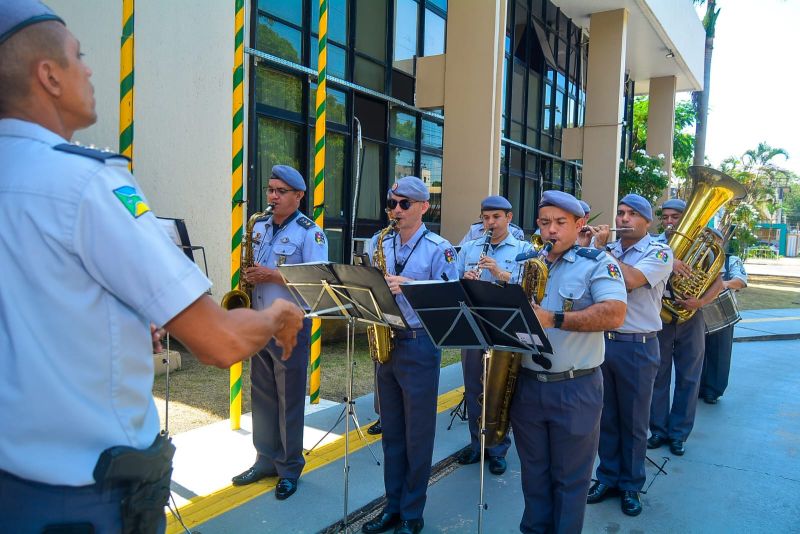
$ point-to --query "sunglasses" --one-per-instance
(404, 204)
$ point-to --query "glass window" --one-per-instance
(515, 131)
(513, 195)
(403, 163)
(372, 114)
(279, 143)
(337, 20)
(405, 34)
(369, 74)
(434, 34)
(518, 91)
(559, 112)
(402, 125)
(534, 84)
(335, 105)
(520, 33)
(337, 62)
(441, 4)
(334, 173)
(430, 170)
(370, 188)
(556, 179)
(289, 10)
(530, 204)
(371, 28)
(335, 244)
(279, 39)
(278, 89)
(432, 134)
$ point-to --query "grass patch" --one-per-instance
(761, 298)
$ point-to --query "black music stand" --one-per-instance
(474, 314)
(355, 293)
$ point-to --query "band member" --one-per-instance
(685, 345)
(408, 384)
(477, 229)
(555, 412)
(719, 344)
(632, 355)
(491, 261)
(278, 386)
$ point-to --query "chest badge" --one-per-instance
(285, 240)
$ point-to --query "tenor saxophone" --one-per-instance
(242, 296)
(379, 337)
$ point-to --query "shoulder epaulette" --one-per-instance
(305, 222)
(87, 152)
(591, 253)
(436, 238)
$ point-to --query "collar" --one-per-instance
(568, 255)
(414, 238)
(640, 245)
(30, 130)
(509, 240)
(285, 223)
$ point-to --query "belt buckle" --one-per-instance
(541, 377)
(610, 336)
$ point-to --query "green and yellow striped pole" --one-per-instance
(126, 83)
(319, 185)
(237, 185)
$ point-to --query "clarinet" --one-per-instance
(485, 249)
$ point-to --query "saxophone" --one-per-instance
(379, 337)
(241, 297)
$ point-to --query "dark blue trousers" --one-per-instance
(472, 366)
(683, 344)
(408, 386)
(27, 507)
(629, 370)
(556, 427)
(717, 363)
(278, 398)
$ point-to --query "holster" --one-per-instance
(146, 476)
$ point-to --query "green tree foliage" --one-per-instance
(644, 175)
(682, 140)
(791, 205)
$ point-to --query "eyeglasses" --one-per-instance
(280, 190)
(404, 204)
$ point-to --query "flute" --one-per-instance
(621, 229)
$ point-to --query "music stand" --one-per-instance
(470, 314)
(351, 293)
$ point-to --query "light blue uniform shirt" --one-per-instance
(735, 269)
(297, 240)
(503, 253)
(432, 257)
(654, 260)
(86, 269)
(476, 230)
(576, 281)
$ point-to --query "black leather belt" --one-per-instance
(543, 376)
(411, 333)
(636, 338)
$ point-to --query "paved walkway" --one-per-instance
(740, 473)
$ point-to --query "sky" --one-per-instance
(755, 77)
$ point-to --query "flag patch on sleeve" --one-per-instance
(131, 200)
(450, 255)
(662, 255)
(319, 237)
(613, 271)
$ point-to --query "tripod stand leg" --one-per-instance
(459, 411)
(361, 434)
(339, 419)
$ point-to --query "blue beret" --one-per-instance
(640, 204)
(18, 14)
(562, 200)
(289, 175)
(410, 187)
(717, 233)
(586, 207)
(674, 204)
(495, 202)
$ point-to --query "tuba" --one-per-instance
(693, 243)
(240, 298)
(379, 337)
(503, 366)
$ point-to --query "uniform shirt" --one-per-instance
(86, 269)
(579, 278)
(476, 230)
(734, 268)
(297, 240)
(654, 260)
(426, 256)
(503, 253)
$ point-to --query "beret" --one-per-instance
(18, 14)
(674, 204)
(411, 188)
(289, 175)
(496, 202)
(586, 207)
(562, 200)
(640, 204)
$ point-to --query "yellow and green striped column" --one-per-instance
(237, 186)
(126, 83)
(319, 185)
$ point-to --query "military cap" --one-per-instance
(410, 187)
(640, 204)
(586, 207)
(674, 204)
(289, 175)
(717, 233)
(562, 200)
(495, 202)
(18, 14)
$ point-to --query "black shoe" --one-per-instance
(497, 465)
(285, 488)
(250, 476)
(409, 526)
(375, 429)
(655, 441)
(710, 399)
(468, 455)
(630, 503)
(382, 523)
(676, 447)
(599, 491)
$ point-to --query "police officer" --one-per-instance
(278, 387)
(555, 412)
(632, 355)
(719, 344)
(496, 265)
(408, 384)
(685, 345)
(78, 297)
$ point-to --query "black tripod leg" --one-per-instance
(459, 411)
(339, 419)
(660, 469)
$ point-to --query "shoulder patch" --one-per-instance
(613, 270)
(305, 222)
(319, 238)
(663, 255)
(93, 153)
(449, 255)
(591, 253)
(132, 201)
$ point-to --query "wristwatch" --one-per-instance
(558, 319)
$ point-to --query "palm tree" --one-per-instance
(700, 98)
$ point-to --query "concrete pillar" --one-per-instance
(604, 111)
(473, 87)
(661, 121)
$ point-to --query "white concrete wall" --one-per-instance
(683, 28)
(182, 108)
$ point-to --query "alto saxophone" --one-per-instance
(379, 337)
(241, 297)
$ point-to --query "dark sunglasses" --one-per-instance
(404, 204)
